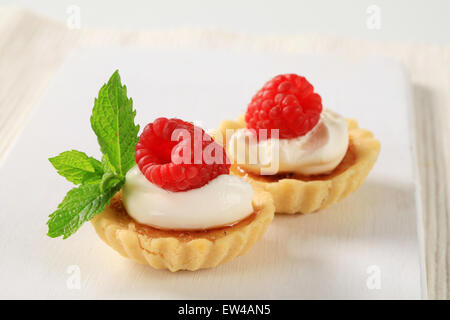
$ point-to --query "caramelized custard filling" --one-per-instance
(184, 235)
(348, 160)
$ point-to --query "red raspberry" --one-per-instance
(288, 103)
(162, 165)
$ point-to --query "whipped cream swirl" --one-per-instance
(224, 201)
(318, 152)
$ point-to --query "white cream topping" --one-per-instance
(222, 202)
(318, 152)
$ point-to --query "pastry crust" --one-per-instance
(182, 250)
(293, 194)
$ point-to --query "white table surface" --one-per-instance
(328, 255)
(32, 49)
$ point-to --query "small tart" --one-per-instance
(304, 194)
(182, 250)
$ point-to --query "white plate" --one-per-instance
(367, 246)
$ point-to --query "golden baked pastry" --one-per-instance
(181, 213)
(182, 250)
(304, 194)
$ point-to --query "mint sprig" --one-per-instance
(112, 120)
(77, 167)
(80, 204)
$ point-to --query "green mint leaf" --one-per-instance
(77, 167)
(109, 180)
(107, 166)
(113, 122)
(80, 205)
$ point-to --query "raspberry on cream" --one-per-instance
(155, 159)
(223, 201)
(287, 103)
(318, 152)
(194, 194)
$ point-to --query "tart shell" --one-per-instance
(312, 193)
(182, 250)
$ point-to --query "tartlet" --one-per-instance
(157, 217)
(304, 194)
(182, 250)
(319, 156)
(164, 197)
(315, 156)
